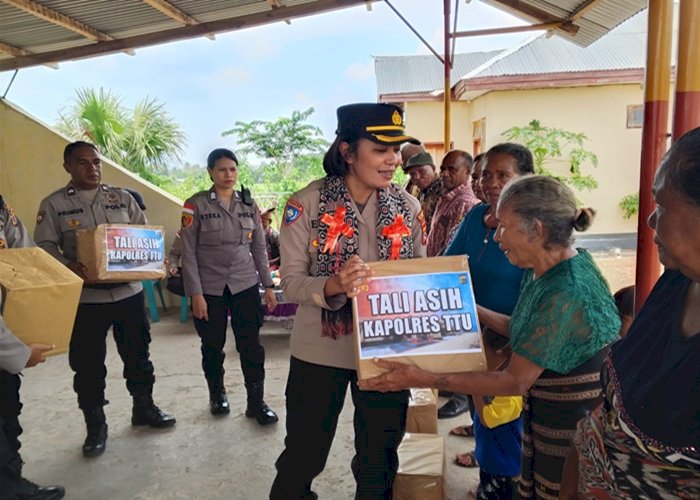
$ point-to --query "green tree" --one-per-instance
(550, 146)
(291, 154)
(144, 139)
(281, 143)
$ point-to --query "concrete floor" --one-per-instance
(202, 457)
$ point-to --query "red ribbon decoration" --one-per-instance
(395, 232)
(337, 227)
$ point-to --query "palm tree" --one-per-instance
(97, 117)
(144, 139)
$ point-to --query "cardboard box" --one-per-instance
(422, 412)
(40, 297)
(421, 312)
(122, 252)
(421, 468)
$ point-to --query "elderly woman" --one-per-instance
(564, 318)
(644, 441)
(495, 280)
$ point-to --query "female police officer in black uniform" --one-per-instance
(223, 261)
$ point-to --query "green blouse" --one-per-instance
(564, 317)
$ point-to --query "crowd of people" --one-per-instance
(565, 408)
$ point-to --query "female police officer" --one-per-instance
(223, 260)
(321, 271)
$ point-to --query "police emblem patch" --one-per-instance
(112, 198)
(40, 217)
(396, 118)
(292, 211)
(187, 215)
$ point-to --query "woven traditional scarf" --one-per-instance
(337, 239)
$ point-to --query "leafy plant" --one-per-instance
(282, 142)
(629, 205)
(144, 140)
(550, 145)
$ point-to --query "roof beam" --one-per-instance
(538, 15)
(165, 7)
(275, 4)
(169, 10)
(509, 29)
(582, 9)
(38, 10)
(16, 52)
(183, 33)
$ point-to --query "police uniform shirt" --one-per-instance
(13, 234)
(299, 248)
(222, 248)
(14, 354)
(65, 211)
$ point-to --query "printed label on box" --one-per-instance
(419, 314)
(134, 249)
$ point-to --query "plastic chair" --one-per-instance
(148, 290)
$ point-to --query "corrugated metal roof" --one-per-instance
(133, 24)
(416, 74)
(623, 48)
(602, 17)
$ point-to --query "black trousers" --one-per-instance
(246, 320)
(10, 409)
(315, 396)
(8, 455)
(88, 348)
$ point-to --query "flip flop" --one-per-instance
(467, 460)
(463, 431)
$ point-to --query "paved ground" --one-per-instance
(202, 457)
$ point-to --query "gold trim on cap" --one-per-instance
(379, 128)
(393, 138)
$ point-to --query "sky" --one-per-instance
(259, 73)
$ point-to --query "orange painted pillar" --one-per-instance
(448, 84)
(657, 87)
(686, 114)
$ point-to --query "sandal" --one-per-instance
(463, 431)
(467, 460)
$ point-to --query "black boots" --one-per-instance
(96, 440)
(22, 489)
(257, 408)
(218, 401)
(145, 412)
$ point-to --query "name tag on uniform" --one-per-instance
(213, 215)
(68, 213)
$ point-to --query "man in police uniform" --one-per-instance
(83, 204)
(14, 356)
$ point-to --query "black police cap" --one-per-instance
(378, 122)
